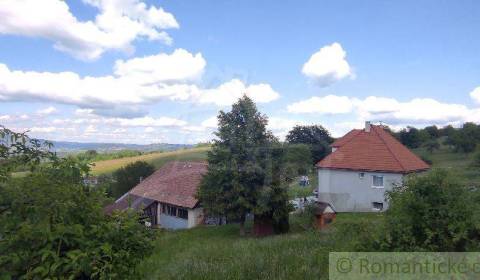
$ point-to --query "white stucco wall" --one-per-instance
(347, 192)
(195, 217)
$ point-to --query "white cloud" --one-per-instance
(90, 129)
(475, 94)
(117, 24)
(48, 129)
(415, 111)
(137, 82)
(180, 66)
(149, 129)
(229, 92)
(330, 104)
(5, 117)
(47, 111)
(328, 65)
(151, 122)
(210, 122)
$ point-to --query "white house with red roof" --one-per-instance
(167, 196)
(363, 165)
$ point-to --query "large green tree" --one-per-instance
(237, 163)
(315, 136)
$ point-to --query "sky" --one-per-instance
(133, 71)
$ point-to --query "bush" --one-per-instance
(432, 213)
(476, 159)
(53, 227)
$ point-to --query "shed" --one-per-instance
(324, 214)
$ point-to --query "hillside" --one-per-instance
(459, 164)
(69, 147)
(157, 159)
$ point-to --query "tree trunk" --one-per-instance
(242, 226)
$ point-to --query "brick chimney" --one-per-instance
(368, 126)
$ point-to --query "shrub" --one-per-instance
(431, 213)
(53, 227)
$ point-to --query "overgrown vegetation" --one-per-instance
(53, 227)
(127, 177)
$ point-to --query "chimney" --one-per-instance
(368, 126)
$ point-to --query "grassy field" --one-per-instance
(209, 252)
(157, 159)
(459, 164)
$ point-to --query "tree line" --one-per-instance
(463, 139)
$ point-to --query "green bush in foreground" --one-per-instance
(432, 213)
(53, 227)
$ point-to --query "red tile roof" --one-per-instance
(175, 183)
(376, 150)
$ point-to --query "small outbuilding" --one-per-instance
(324, 214)
(168, 196)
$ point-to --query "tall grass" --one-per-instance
(220, 253)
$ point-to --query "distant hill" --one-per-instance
(67, 147)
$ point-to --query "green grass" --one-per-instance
(208, 252)
(459, 164)
(157, 159)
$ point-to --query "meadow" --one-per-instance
(156, 159)
(218, 252)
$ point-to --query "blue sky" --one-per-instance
(159, 71)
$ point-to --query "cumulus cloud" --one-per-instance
(211, 122)
(280, 126)
(180, 66)
(151, 122)
(136, 82)
(48, 129)
(475, 94)
(328, 65)
(229, 92)
(117, 24)
(323, 105)
(47, 111)
(390, 110)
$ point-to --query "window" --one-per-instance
(172, 211)
(361, 175)
(164, 208)
(377, 206)
(183, 213)
(377, 181)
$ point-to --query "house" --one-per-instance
(363, 165)
(324, 214)
(167, 196)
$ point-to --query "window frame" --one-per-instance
(373, 181)
(179, 210)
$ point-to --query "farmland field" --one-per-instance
(157, 159)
